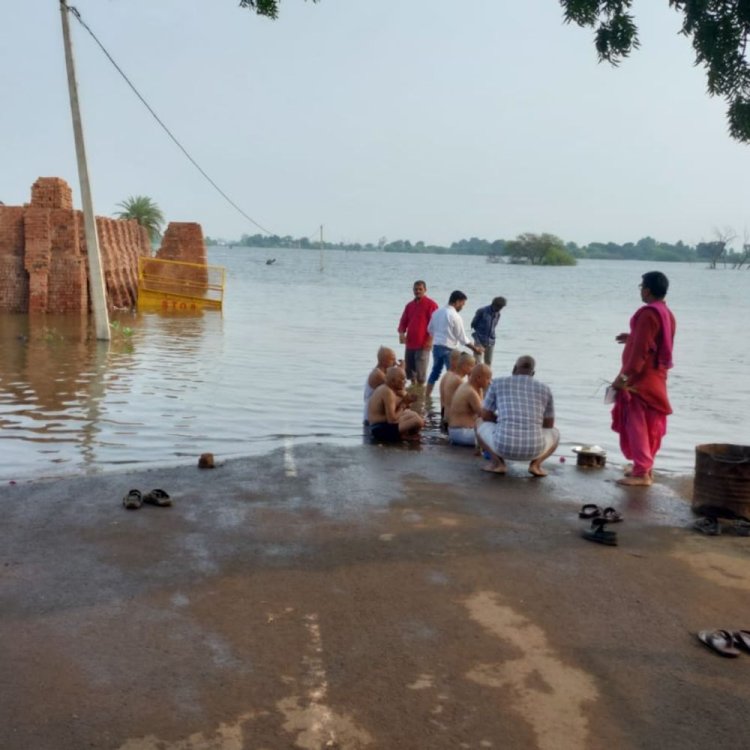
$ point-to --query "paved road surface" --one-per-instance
(364, 598)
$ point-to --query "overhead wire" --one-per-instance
(76, 14)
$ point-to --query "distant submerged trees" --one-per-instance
(539, 250)
(534, 249)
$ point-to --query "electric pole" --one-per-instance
(97, 290)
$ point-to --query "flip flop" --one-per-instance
(611, 515)
(720, 641)
(589, 511)
(708, 526)
(133, 500)
(157, 497)
(598, 534)
(741, 527)
(742, 639)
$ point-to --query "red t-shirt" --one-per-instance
(414, 321)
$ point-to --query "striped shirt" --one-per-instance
(521, 405)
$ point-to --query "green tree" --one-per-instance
(719, 31)
(145, 212)
(539, 250)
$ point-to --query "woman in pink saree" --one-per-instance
(641, 406)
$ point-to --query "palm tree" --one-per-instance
(145, 212)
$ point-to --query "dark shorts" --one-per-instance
(385, 432)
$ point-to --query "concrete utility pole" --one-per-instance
(97, 290)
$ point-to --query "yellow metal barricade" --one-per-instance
(174, 286)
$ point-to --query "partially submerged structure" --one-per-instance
(43, 263)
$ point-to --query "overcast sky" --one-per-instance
(410, 119)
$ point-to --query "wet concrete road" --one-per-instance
(364, 598)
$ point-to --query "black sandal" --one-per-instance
(611, 515)
(597, 533)
(589, 511)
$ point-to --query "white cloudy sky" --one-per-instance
(415, 119)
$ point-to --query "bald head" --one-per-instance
(480, 374)
(525, 365)
(465, 364)
(386, 357)
(395, 378)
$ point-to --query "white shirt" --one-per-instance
(447, 328)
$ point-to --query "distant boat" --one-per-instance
(494, 259)
(270, 261)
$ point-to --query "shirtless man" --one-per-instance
(466, 406)
(391, 421)
(386, 359)
(451, 381)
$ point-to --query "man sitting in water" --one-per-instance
(391, 421)
(461, 364)
(466, 406)
(386, 359)
(518, 418)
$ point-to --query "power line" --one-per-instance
(77, 16)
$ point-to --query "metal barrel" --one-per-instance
(721, 486)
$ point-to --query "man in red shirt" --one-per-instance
(412, 331)
(641, 405)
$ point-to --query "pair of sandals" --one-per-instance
(725, 642)
(600, 517)
(135, 498)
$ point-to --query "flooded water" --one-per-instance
(287, 359)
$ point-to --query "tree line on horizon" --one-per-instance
(541, 249)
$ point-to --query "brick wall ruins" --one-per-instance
(43, 260)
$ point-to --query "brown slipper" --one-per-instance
(157, 497)
(133, 500)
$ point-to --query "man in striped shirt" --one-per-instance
(518, 420)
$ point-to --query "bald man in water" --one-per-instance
(464, 363)
(390, 418)
(386, 359)
(466, 406)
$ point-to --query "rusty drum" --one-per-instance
(721, 486)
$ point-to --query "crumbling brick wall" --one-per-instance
(14, 281)
(43, 258)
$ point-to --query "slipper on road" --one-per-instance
(133, 500)
(597, 533)
(742, 639)
(610, 515)
(589, 511)
(708, 526)
(720, 641)
(157, 497)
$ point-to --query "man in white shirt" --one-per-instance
(448, 333)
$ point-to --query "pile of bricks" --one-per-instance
(43, 259)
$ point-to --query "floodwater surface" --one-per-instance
(287, 358)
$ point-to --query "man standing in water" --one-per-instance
(483, 325)
(412, 331)
(448, 333)
(641, 403)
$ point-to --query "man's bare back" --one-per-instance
(466, 404)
